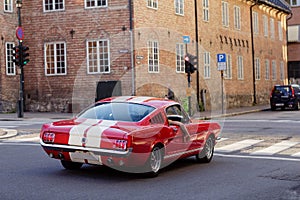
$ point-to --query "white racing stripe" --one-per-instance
(278, 147)
(139, 99)
(237, 146)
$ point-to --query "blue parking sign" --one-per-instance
(221, 57)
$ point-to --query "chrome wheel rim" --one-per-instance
(155, 160)
(209, 148)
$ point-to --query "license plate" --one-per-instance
(279, 104)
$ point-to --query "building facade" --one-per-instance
(81, 51)
(294, 42)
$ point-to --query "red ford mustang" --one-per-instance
(129, 133)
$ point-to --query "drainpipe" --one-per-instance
(197, 52)
(287, 42)
(131, 47)
(253, 56)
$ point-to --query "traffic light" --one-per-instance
(16, 55)
(25, 55)
(189, 63)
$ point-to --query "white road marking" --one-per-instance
(257, 157)
(237, 146)
(296, 154)
(278, 147)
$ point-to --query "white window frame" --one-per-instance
(98, 57)
(8, 6)
(10, 65)
(228, 71)
(179, 7)
(96, 5)
(237, 17)
(205, 4)
(257, 68)
(272, 28)
(255, 22)
(280, 32)
(281, 70)
(274, 70)
(53, 3)
(206, 60)
(240, 67)
(267, 69)
(180, 52)
(294, 3)
(266, 25)
(152, 4)
(153, 56)
(55, 58)
(225, 14)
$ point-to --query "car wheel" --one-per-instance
(71, 165)
(206, 155)
(155, 161)
(297, 105)
(273, 108)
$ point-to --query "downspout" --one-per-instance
(131, 47)
(197, 53)
(252, 46)
(287, 42)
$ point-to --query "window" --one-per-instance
(294, 2)
(225, 14)
(55, 58)
(152, 4)
(153, 56)
(98, 60)
(255, 22)
(294, 33)
(54, 5)
(10, 65)
(206, 59)
(272, 28)
(8, 5)
(228, 71)
(179, 7)
(205, 4)
(179, 58)
(280, 33)
(237, 17)
(266, 27)
(95, 3)
(281, 70)
(267, 68)
(257, 69)
(274, 76)
(240, 67)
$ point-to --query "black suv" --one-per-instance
(285, 96)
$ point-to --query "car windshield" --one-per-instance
(117, 111)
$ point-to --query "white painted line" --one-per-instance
(257, 157)
(32, 139)
(296, 154)
(237, 146)
(222, 139)
(278, 147)
(8, 126)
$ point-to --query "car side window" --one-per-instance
(176, 113)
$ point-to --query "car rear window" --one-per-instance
(283, 90)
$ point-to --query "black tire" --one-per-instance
(206, 155)
(71, 165)
(154, 162)
(297, 105)
(273, 108)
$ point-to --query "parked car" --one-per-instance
(285, 96)
(133, 134)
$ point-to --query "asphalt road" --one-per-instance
(26, 172)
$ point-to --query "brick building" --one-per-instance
(85, 50)
(294, 42)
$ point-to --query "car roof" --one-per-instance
(145, 100)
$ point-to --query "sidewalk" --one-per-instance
(50, 116)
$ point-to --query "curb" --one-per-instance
(8, 133)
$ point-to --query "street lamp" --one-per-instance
(19, 3)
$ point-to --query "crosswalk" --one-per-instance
(17, 124)
(256, 148)
(259, 147)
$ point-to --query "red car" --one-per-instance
(129, 133)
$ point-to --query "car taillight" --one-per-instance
(272, 92)
(120, 144)
(48, 137)
(293, 92)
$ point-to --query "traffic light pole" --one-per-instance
(21, 92)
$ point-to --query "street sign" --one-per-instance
(20, 33)
(221, 59)
(186, 39)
